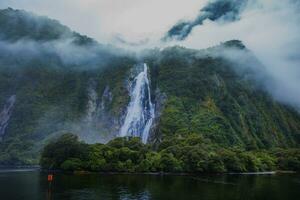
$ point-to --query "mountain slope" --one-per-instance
(21, 25)
(210, 94)
(65, 82)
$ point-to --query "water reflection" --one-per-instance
(33, 185)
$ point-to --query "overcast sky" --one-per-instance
(103, 19)
(270, 28)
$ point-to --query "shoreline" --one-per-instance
(3, 167)
(83, 172)
(182, 174)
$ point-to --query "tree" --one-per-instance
(168, 163)
(71, 164)
(59, 150)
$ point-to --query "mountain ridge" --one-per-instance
(84, 88)
(39, 28)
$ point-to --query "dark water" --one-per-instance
(31, 185)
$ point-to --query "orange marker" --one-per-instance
(50, 177)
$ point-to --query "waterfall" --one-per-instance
(5, 114)
(92, 103)
(140, 111)
(106, 98)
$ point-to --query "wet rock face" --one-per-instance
(98, 125)
(160, 99)
(92, 103)
(106, 121)
(5, 114)
(106, 98)
(136, 119)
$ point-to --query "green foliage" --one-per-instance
(221, 100)
(211, 104)
(71, 164)
(288, 159)
(66, 152)
(168, 163)
(192, 154)
(49, 99)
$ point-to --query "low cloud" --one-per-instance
(62, 52)
(225, 10)
(135, 20)
(270, 29)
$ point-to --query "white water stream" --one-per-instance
(140, 111)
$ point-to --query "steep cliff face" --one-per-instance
(99, 94)
(222, 96)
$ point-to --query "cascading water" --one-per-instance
(5, 114)
(140, 111)
(92, 103)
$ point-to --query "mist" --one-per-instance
(270, 30)
(225, 10)
(134, 20)
(61, 52)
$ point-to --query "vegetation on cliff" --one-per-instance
(219, 93)
(215, 94)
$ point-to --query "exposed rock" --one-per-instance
(160, 99)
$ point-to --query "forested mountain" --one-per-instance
(53, 81)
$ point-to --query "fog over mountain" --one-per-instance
(225, 10)
(212, 82)
(269, 28)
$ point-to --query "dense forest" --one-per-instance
(189, 154)
(222, 98)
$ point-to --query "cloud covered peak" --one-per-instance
(22, 25)
(225, 10)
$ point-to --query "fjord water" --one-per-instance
(32, 185)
